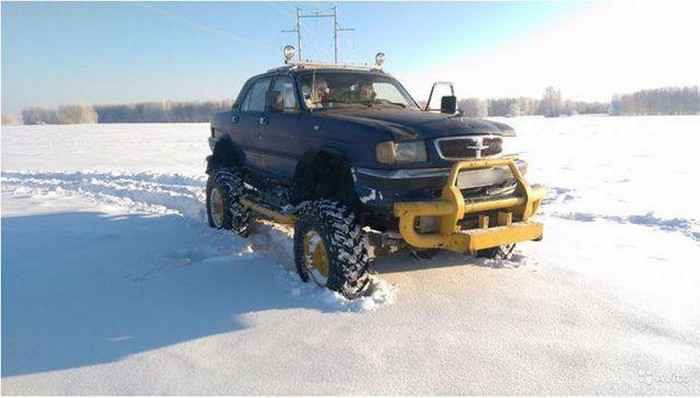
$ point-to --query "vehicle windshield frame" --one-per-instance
(299, 76)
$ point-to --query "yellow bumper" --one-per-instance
(495, 222)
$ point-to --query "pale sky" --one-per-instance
(121, 52)
(616, 47)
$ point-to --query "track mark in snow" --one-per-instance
(378, 294)
(165, 179)
(516, 260)
(152, 193)
(689, 227)
(162, 194)
(559, 195)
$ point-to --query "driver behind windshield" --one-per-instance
(326, 90)
(314, 97)
(365, 92)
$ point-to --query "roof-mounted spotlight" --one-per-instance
(289, 52)
(379, 60)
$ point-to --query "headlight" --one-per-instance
(391, 152)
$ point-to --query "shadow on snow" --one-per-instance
(85, 288)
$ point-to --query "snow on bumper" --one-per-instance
(494, 222)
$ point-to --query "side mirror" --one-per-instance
(448, 104)
(275, 102)
(444, 107)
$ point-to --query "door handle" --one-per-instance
(235, 118)
(263, 120)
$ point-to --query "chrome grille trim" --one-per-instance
(478, 143)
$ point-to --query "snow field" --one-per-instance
(112, 283)
(161, 194)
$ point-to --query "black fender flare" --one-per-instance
(224, 153)
(306, 169)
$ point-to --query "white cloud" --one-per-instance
(616, 47)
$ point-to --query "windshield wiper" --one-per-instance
(385, 102)
(325, 104)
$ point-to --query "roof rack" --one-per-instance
(289, 54)
(318, 65)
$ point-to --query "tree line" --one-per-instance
(550, 105)
(144, 112)
(161, 112)
(660, 101)
(67, 114)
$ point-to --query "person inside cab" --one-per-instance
(316, 96)
(365, 92)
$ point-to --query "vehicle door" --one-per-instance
(252, 120)
(283, 135)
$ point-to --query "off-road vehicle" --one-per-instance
(347, 156)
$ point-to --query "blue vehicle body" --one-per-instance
(286, 155)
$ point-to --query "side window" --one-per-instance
(287, 100)
(255, 99)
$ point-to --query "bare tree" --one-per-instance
(528, 106)
(500, 106)
(569, 108)
(659, 101)
(37, 115)
(551, 102)
(514, 110)
(474, 107)
(76, 114)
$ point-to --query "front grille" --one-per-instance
(469, 147)
(458, 148)
(494, 146)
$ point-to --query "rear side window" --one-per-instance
(255, 98)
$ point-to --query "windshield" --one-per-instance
(324, 90)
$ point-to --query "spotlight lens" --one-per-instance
(379, 59)
(289, 52)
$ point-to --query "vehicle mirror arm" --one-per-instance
(432, 90)
(430, 97)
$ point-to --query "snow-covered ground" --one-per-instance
(113, 284)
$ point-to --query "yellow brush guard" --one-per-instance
(510, 225)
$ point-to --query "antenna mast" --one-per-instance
(316, 14)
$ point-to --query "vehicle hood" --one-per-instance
(411, 124)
